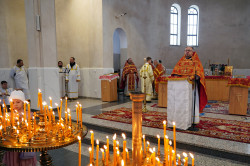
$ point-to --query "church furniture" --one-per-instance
(162, 92)
(238, 95)
(217, 88)
(109, 87)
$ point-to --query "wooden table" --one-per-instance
(109, 86)
(217, 88)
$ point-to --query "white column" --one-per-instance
(41, 38)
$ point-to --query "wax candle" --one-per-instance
(107, 158)
(148, 146)
(128, 159)
(179, 159)
(11, 112)
(117, 144)
(54, 119)
(144, 145)
(79, 152)
(174, 158)
(158, 161)
(164, 127)
(29, 119)
(97, 151)
(124, 148)
(76, 114)
(58, 111)
(107, 153)
(1, 127)
(50, 101)
(50, 115)
(90, 155)
(80, 115)
(186, 158)
(123, 163)
(92, 142)
(69, 112)
(118, 157)
(192, 156)
(0, 109)
(40, 99)
(114, 150)
(66, 117)
(34, 120)
(102, 154)
(4, 126)
(170, 153)
(24, 109)
(159, 145)
(174, 130)
(153, 156)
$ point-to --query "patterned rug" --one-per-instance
(209, 127)
(216, 107)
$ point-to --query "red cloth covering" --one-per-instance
(109, 76)
(190, 67)
(158, 71)
(241, 82)
(130, 70)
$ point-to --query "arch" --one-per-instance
(175, 24)
(193, 26)
(119, 48)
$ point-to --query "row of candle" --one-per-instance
(149, 154)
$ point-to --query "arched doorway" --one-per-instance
(119, 49)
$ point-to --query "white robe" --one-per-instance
(146, 71)
(72, 75)
(5, 97)
(20, 76)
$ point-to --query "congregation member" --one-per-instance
(72, 78)
(5, 93)
(158, 71)
(190, 66)
(146, 72)
(62, 71)
(20, 76)
(129, 79)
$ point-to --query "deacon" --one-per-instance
(20, 75)
(130, 78)
(72, 78)
(62, 75)
(147, 77)
(190, 66)
(158, 71)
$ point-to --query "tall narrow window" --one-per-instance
(175, 20)
(193, 26)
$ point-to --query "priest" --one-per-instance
(190, 66)
(158, 71)
(147, 77)
(129, 79)
(72, 78)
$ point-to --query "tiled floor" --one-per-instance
(207, 151)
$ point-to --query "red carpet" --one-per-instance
(209, 127)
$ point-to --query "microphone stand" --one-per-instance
(193, 128)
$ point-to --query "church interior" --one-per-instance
(102, 35)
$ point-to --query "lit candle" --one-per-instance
(97, 151)
(58, 110)
(107, 153)
(90, 155)
(76, 114)
(66, 117)
(102, 154)
(153, 156)
(54, 119)
(192, 156)
(92, 142)
(66, 103)
(4, 126)
(107, 158)
(166, 148)
(144, 145)
(50, 101)
(123, 163)
(124, 148)
(179, 159)
(158, 161)
(128, 159)
(40, 99)
(174, 158)
(148, 146)
(174, 129)
(0, 109)
(114, 148)
(34, 120)
(24, 109)
(50, 114)
(80, 115)
(186, 158)
(1, 127)
(170, 153)
(12, 112)
(159, 145)
(69, 116)
(117, 144)
(79, 153)
(118, 157)
(164, 127)
(29, 119)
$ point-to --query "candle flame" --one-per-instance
(90, 149)
(39, 90)
(97, 142)
(78, 137)
(154, 149)
(44, 103)
(53, 113)
(184, 154)
(50, 107)
(150, 150)
(191, 155)
(61, 100)
(166, 136)
(173, 123)
(90, 164)
(50, 98)
(1, 127)
(157, 158)
(14, 127)
(66, 98)
(102, 150)
(143, 136)
(178, 155)
(117, 142)
(126, 149)
(164, 122)
(3, 105)
(91, 131)
(124, 136)
(122, 163)
(17, 131)
(172, 151)
(107, 137)
(114, 137)
(158, 137)
(184, 160)
(56, 104)
(105, 147)
(11, 100)
(170, 142)
(118, 152)
(148, 143)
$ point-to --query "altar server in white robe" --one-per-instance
(20, 75)
(147, 71)
(72, 78)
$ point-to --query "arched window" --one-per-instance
(175, 24)
(193, 26)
